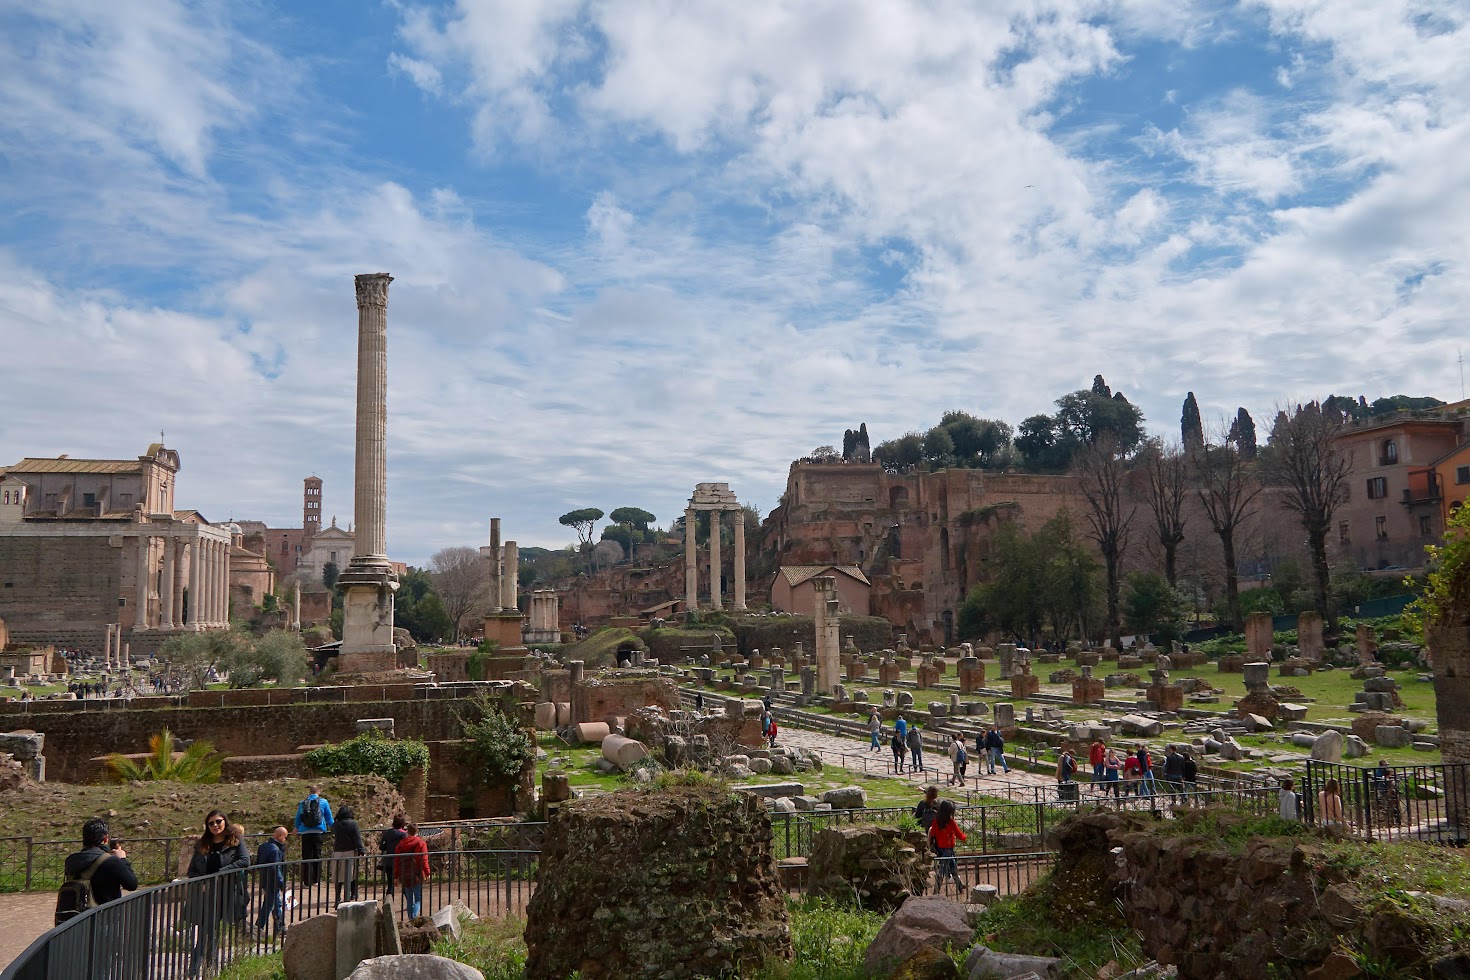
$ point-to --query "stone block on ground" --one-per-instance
(984, 963)
(1393, 736)
(446, 920)
(591, 732)
(357, 935)
(846, 798)
(921, 922)
(878, 866)
(1327, 747)
(310, 949)
(420, 966)
(622, 751)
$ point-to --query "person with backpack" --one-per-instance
(958, 759)
(896, 743)
(387, 845)
(771, 733)
(1066, 767)
(915, 742)
(269, 858)
(943, 833)
(411, 869)
(218, 900)
(313, 820)
(95, 875)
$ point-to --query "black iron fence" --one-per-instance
(197, 925)
(34, 864)
(1428, 803)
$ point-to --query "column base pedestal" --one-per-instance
(367, 617)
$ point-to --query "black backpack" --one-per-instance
(75, 895)
(311, 810)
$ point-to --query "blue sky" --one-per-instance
(639, 245)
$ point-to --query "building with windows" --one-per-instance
(1403, 465)
(94, 548)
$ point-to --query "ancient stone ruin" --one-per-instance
(878, 867)
(672, 883)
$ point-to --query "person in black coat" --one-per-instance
(388, 844)
(113, 875)
(347, 847)
(219, 898)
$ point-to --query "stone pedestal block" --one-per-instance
(928, 676)
(971, 675)
(1024, 685)
(1166, 697)
(1088, 690)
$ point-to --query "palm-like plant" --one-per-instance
(199, 763)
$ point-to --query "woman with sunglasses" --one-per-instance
(218, 899)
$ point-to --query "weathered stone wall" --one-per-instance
(1449, 644)
(617, 694)
(75, 736)
(1272, 907)
(250, 768)
(675, 883)
(60, 590)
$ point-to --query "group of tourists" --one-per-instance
(100, 872)
(1134, 772)
(907, 743)
(937, 817)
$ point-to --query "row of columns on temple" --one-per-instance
(168, 565)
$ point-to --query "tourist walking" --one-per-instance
(412, 869)
(771, 733)
(269, 860)
(1329, 805)
(1112, 774)
(916, 748)
(875, 728)
(387, 845)
(219, 900)
(1066, 766)
(957, 759)
(1146, 786)
(995, 744)
(902, 728)
(313, 820)
(1190, 770)
(1096, 755)
(944, 832)
(347, 848)
(1131, 774)
(1173, 770)
(898, 751)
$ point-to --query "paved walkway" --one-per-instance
(857, 755)
(27, 915)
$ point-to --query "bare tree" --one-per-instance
(1228, 489)
(1305, 459)
(460, 576)
(1101, 473)
(1167, 471)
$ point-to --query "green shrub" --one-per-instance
(496, 747)
(370, 754)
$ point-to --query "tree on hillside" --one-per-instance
(1101, 476)
(1304, 457)
(1228, 489)
(330, 574)
(1191, 428)
(1167, 471)
(1048, 577)
(460, 577)
(823, 454)
(977, 442)
(1153, 607)
(1243, 434)
(419, 609)
(582, 521)
(855, 445)
(634, 521)
(938, 447)
(902, 453)
(1088, 416)
(1036, 441)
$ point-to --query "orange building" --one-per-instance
(795, 591)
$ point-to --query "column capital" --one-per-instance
(372, 289)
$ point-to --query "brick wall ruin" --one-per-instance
(60, 591)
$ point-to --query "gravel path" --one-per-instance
(26, 916)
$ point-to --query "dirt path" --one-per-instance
(26, 916)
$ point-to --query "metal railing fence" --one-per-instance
(195, 926)
(1428, 803)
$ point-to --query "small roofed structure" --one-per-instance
(794, 590)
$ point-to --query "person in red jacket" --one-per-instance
(943, 833)
(1097, 755)
(411, 869)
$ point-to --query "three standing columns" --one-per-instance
(691, 560)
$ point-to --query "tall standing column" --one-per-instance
(691, 566)
(210, 604)
(369, 582)
(739, 559)
(510, 574)
(179, 581)
(144, 573)
(107, 649)
(492, 556)
(370, 477)
(193, 604)
(714, 561)
(219, 584)
(166, 588)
